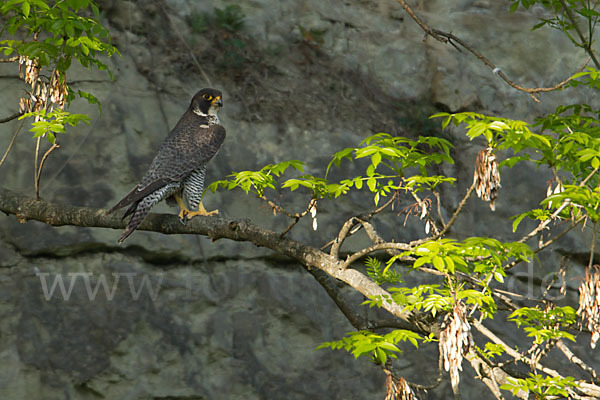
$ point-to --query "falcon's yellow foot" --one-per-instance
(185, 214)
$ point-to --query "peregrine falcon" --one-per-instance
(178, 168)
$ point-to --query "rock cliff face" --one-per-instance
(184, 318)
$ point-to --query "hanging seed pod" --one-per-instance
(313, 214)
(28, 70)
(487, 176)
(589, 303)
(24, 105)
(397, 388)
(455, 342)
(58, 91)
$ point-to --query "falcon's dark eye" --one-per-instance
(207, 97)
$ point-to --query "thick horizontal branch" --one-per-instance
(26, 208)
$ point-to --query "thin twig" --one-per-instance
(12, 142)
(449, 38)
(423, 26)
(190, 51)
(498, 71)
(39, 172)
(575, 360)
(435, 384)
(289, 227)
(10, 118)
(509, 350)
(375, 247)
(485, 371)
(555, 214)
(452, 220)
(35, 168)
(584, 43)
(279, 209)
(548, 242)
(535, 358)
(357, 226)
(383, 206)
(296, 217)
(422, 204)
(543, 245)
(439, 209)
(587, 388)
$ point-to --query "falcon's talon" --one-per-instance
(183, 217)
(202, 213)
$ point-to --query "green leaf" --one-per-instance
(376, 159)
(91, 99)
(449, 263)
(498, 276)
(371, 183)
(381, 356)
(477, 129)
(517, 221)
(438, 263)
(26, 8)
(421, 261)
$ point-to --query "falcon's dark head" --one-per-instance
(207, 102)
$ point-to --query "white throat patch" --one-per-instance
(212, 117)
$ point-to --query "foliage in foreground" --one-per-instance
(469, 272)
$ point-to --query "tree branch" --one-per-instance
(39, 171)
(449, 38)
(12, 142)
(576, 360)
(452, 220)
(355, 319)
(375, 247)
(26, 208)
(587, 389)
(10, 118)
(488, 374)
(355, 227)
(555, 214)
(339, 240)
(585, 43)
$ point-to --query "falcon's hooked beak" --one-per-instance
(217, 101)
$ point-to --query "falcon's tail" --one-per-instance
(139, 211)
(130, 198)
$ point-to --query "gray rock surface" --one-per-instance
(227, 320)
